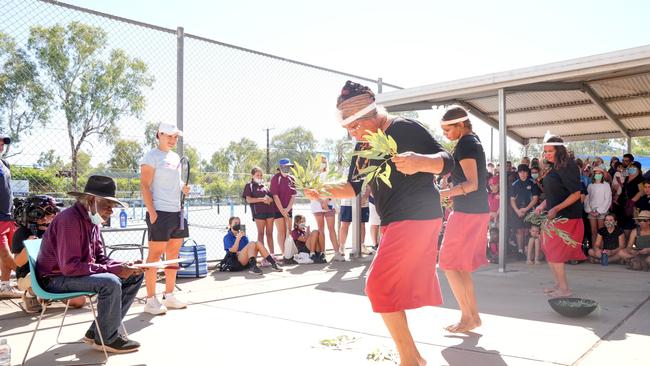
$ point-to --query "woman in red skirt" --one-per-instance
(463, 246)
(562, 188)
(403, 273)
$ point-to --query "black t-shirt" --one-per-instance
(523, 192)
(630, 188)
(469, 147)
(18, 244)
(643, 204)
(412, 197)
(560, 184)
(610, 241)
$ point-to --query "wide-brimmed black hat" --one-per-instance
(100, 186)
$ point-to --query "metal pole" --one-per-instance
(268, 154)
(491, 145)
(503, 180)
(180, 36)
(629, 145)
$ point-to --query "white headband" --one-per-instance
(453, 121)
(553, 144)
(356, 116)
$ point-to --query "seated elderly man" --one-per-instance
(72, 259)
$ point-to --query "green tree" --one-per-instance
(24, 101)
(243, 156)
(297, 144)
(93, 93)
(83, 164)
(219, 162)
(126, 156)
(50, 160)
(150, 140)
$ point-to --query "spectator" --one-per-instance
(533, 245)
(585, 176)
(493, 201)
(493, 245)
(617, 181)
(535, 176)
(161, 189)
(72, 259)
(259, 197)
(325, 213)
(597, 202)
(7, 227)
(375, 221)
(33, 215)
(637, 252)
(490, 169)
(534, 163)
(643, 203)
(627, 160)
(308, 241)
(244, 253)
(610, 238)
(627, 199)
(612, 166)
(523, 197)
(346, 217)
(526, 161)
(284, 194)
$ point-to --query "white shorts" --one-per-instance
(374, 216)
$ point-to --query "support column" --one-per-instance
(629, 145)
(503, 180)
(180, 49)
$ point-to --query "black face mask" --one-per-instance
(236, 227)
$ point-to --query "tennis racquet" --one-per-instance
(185, 180)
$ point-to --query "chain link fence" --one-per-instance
(81, 93)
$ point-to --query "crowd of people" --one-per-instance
(614, 201)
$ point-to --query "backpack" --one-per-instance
(227, 264)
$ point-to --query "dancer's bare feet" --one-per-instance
(548, 290)
(560, 293)
(529, 262)
(464, 326)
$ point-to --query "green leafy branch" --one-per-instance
(382, 148)
(548, 226)
(309, 177)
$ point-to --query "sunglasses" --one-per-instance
(642, 220)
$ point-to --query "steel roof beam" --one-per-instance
(490, 121)
(605, 108)
(546, 86)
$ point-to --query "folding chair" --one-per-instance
(33, 247)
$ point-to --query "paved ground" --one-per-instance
(281, 319)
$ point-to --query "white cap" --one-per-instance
(169, 129)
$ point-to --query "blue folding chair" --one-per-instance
(33, 247)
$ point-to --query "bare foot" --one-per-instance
(421, 361)
(548, 290)
(560, 293)
(529, 262)
(464, 326)
(538, 262)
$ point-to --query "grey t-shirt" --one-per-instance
(6, 197)
(166, 185)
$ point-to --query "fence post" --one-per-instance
(180, 48)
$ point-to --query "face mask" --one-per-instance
(285, 169)
(631, 170)
(258, 181)
(96, 219)
(236, 227)
(534, 175)
(598, 176)
(302, 226)
(609, 224)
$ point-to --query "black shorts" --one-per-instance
(278, 215)
(302, 247)
(346, 214)
(264, 216)
(166, 227)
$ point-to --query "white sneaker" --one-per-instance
(171, 302)
(9, 292)
(339, 257)
(265, 263)
(154, 307)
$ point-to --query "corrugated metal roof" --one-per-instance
(551, 97)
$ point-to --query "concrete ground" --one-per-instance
(282, 318)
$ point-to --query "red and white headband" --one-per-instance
(346, 121)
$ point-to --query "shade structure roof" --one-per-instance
(596, 97)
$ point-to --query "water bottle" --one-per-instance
(5, 353)
(604, 258)
(123, 217)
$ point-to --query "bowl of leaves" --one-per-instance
(573, 307)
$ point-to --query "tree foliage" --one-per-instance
(126, 156)
(24, 101)
(92, 86)
(297, 144)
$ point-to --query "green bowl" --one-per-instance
(573, 307)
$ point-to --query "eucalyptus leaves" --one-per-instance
(310, 177)
(382, 148)
(548, 226)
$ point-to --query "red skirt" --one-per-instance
(403, 274)
(465, 242)
(556, 251)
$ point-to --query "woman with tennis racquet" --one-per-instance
(163, 192)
